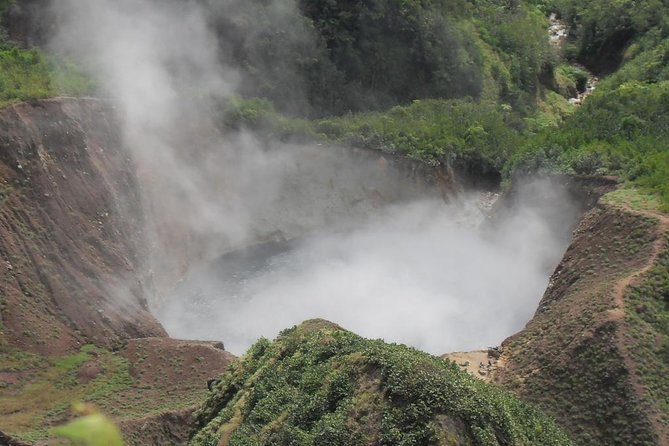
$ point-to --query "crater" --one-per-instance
(392, 249)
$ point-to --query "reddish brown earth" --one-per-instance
(573, 359)
(72, 272)
(168, 372)
(70, 228)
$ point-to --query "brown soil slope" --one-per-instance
(576, 357)
(69, 230)
(150, 388)
(72, 298)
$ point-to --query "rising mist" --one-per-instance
(376, 255)
(435, 276)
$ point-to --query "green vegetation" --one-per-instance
(473, 81)
(602, 29)
(508, 122)
(360, 56)
(24, 74)
(648, 317)
(622, 131)
(91, 429)
(320, 384)
(37, 391)
(47, 386)
(27, 74)
(479, 136)
(570, 80)
(633, 199)
(4, 4)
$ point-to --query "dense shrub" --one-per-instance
(318, 384)
(318, 58)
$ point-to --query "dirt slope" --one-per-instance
(74, 324)
(70, 228)
(575, 358)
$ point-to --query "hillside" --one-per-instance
(247, 122)
(597, 341)
(70, 222)
(320, 384)
(74, 288)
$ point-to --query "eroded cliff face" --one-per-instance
(70, 230)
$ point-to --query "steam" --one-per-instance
(376, 258)
(425, 274)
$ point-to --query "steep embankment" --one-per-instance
(70, 230)
(74, 283)
(71, 283)
(592, 356)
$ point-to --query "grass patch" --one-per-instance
(24, 75)
(42, 388)
(633, 198)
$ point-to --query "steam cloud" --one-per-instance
(423, 273)
(405, 269)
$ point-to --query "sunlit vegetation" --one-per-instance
(27, 74)
(320, 384)
(24, 74)
(621, 131)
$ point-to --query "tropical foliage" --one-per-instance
(318, 384)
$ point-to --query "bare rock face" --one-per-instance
(70, 230)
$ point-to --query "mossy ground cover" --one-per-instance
(319, 384)
(24, 74)
(36, 391)
(157, 376)
(648, 336)
(634, 199)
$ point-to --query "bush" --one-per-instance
(320, 384)
(26, 74)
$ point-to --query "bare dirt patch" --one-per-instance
(481, 364)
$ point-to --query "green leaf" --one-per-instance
(91, 430)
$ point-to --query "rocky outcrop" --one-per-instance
(6, 440)
(70, 230)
